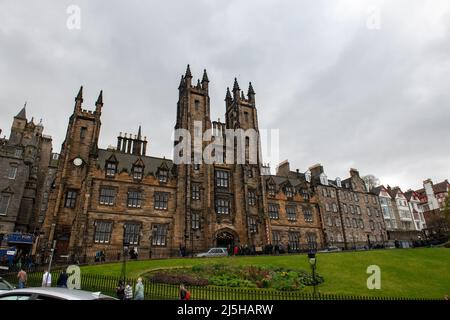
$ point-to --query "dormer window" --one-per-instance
(138, 172)
(305, 194)
(338, 183)
(289, 191)
(271, 189)
(163, 176)
(111, 169)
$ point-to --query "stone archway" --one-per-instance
(225, 238)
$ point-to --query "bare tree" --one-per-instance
(371, 181)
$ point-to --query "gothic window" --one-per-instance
(134, 199)
(252, 225)
(102, 231)
(107, 196)
(307, 214)
(161, 200)
(372, 225)
(131, 233)
(361, 223)
(329, 221)
(352, 209)
(251, 198)
(305, 194)
(356, 197)
(354, 223)
(163, 175)
(294, 240)
(249, 172)
(222, 206)
(271, 189)
(276, 237)
(274, 211)
(288, 190)
(291, 213)
(18, 153)
(323, 179)
(4, 203)
(337, 222)
(324, 192)
(222, 179)
(138, 172)
(71, 199)
(196, 104)
(111, 169)
(159, 235)
(311, 238)
(327, 206)
(369, 211)
(358, 210)
(195, 191)
(195, 220)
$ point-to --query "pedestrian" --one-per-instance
(128, 291)
(184, 293)
(139, 290)
(47, 279)
(22, 276)
(236, 250)
(62, 280)
(120, 290)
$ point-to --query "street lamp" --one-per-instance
(313, 263)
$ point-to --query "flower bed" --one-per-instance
(237, 276)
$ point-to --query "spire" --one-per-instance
(235, 85)
(188, 72)
(205, 76)
(22, 113)
(100, 98)
(139, 133)
(181, 82)
(79, 96)
(251, 93)
(228, 96)
(250, 89)
(242, 95)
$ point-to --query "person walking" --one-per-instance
(62, 280)
(128, 291)
(47, 279)
(139, 290)
(120, 290)
(22, 276)
(184, 293)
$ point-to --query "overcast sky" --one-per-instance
(361, 84)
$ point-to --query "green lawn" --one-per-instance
(409, 273)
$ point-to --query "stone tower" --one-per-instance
(65, 218)
(219, 202)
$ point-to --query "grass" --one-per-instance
(409, 273)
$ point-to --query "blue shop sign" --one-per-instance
(20, 238)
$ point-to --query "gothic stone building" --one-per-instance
(24, 171)
(105, 199)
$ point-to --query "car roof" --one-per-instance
(64, 293)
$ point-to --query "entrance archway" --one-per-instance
(225, 239)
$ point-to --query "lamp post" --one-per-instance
(313, 263)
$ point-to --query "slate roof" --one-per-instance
(437, 188)
(126, 161)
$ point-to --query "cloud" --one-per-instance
(340, 93)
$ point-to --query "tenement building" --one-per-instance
(24, 171)
(351, 215)
(293, 210)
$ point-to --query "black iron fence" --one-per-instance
(161, 291)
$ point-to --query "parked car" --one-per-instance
(213, 252)
(52, 294)
(5, 285)
(331, 249)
